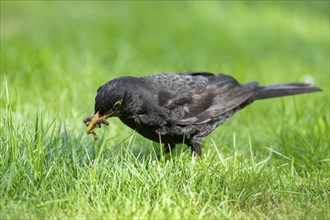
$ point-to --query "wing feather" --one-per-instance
(196, 98)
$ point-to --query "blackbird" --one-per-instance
(180, 108)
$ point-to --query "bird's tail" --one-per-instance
(284, 89)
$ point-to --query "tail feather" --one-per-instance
(284, 89)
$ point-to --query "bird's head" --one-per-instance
(108, 102)
(110, 99)
(113, 99)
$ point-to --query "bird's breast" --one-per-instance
(141, 127)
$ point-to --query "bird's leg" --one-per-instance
(196, 147)
(168, 147)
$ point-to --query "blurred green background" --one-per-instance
(54, 55)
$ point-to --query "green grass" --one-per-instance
(270, 160)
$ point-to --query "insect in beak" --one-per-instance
(95, 121)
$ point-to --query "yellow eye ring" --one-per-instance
(117, 105)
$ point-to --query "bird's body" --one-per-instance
(182, 108)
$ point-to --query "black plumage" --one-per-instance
(180, 108)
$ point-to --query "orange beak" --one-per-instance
(95, 120)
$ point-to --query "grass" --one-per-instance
(270, 160)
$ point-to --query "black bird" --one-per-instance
(180, 108)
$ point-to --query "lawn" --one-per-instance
(271, 160)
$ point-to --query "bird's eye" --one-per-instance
(117, 105)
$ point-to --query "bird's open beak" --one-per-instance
(95, 119)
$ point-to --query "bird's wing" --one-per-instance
(195, 98)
